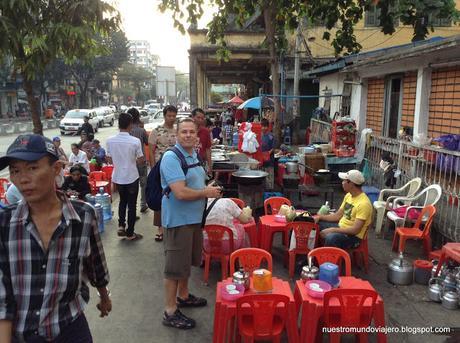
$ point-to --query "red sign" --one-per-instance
(71, 93)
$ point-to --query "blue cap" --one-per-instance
(30, 147)
(56, 139)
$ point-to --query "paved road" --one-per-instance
(67, 140)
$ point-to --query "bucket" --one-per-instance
(372, 193)
(422, 271)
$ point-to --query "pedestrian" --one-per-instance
(78, 157)
(76, 184)
(346, 228)
(60, 151)
(161, 139)
(125, 153)
(86, 127)
(86, 144)
(228, 132)
(217, 132)
(43, 288)
(138, 131)
(181, 215)
(267, 147)
(203, 145)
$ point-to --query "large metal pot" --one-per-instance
(400, 271)
(250, 177)
(292, 167)
(435, 289)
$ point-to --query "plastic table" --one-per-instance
(312, 308)
(449, 251)
(225, 312)
(268, 226)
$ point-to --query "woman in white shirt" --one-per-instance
(225, 212)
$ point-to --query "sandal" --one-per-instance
(134, 237)
(178, 320)
(191, 301)
(159, 237)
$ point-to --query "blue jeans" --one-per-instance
(337, 239)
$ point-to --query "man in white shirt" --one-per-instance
(125, 153)
(78, 157)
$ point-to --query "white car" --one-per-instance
(105, 115)
(158, 119)
(73, 120)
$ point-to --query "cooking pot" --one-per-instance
(400, 271)
(435, 289)
(250, 177)
(292, 167)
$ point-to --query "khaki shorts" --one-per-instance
(182, 246)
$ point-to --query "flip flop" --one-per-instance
(134, 237)
(159, 237)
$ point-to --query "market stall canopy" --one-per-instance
(257, 103)
(236, 100)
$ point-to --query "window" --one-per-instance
(372, 16)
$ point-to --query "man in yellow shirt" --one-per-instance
(346, 227)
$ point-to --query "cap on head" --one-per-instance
(30, 147)
(354, 176)
(56, 139)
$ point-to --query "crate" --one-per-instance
(313, 162)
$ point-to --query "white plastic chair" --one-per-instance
(429, 196)
(387, 196)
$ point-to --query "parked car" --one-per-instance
(105, 115)
(73, 120)
(145, 117)
(158, 119)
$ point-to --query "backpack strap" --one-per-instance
(207, 211)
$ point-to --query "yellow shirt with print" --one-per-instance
(358, 207)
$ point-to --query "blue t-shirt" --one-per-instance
(175, 212)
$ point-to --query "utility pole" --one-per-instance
(296, 104)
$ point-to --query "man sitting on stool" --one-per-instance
(346, 228)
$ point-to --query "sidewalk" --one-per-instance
(20, 125)
(137, 291)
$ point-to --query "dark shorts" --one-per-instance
(183, 246)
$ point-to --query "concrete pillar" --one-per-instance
(422, 102)
(193, 81)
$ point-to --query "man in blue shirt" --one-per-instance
(268, 144)
(181, 215)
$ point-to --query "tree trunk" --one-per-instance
(269, 18)
(33, 103)
(83, 94)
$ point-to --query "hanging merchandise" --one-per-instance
(250, 143)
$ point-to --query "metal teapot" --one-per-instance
(450, 283)
(400, 271)
(450, 300)
(241, 278)
(309, 272)
(435, 289)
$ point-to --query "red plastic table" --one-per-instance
(267, 227)
(225, 312)
(312, 308)
(449, 251)
(251, 229)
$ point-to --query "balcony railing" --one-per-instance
(433, 165)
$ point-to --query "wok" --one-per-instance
(249, 177)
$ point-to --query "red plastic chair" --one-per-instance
(259, 316)
(3, 187)
(272, 205)
(241, 204)
(216, 234)
(108, 170)
(404, 233)
(250, 259)
(332, 255)
(301, 230)
(356, 310)
(98, 176)
(361, 252)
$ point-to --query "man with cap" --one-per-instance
(49, 248)
(346, 228)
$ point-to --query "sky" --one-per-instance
(142, 20)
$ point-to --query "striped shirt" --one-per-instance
(44, 291)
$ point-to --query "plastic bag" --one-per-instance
(401, 212)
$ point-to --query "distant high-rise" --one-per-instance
(140, 55)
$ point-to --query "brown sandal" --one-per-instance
(134, 237)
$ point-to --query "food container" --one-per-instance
(422, 271)
(317, 288)
(231, 292)
(400, 271)
(262, 280)
(241, 278)
(329, 272)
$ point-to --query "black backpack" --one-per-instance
(153, 190)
